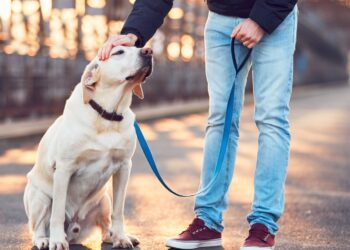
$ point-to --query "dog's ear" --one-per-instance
(89, 79)
(138, 91)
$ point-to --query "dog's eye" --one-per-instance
(119, 52)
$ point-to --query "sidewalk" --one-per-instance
(31, 127)
(317, 214)
(26, 128)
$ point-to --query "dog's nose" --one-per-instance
(146, 52)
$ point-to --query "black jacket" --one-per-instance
(148, 15)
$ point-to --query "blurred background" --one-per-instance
(44, 47)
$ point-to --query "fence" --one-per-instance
(45, 45)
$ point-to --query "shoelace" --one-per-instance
(193, 228)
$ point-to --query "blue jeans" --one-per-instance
(272, 64)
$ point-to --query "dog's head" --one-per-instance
(126, 65)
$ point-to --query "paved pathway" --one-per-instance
(317, 212)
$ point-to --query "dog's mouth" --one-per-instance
(142, 74)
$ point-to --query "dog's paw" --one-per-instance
(122, 240)
(134, 240)
(58, 243)
(41, 242)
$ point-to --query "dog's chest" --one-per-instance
(105, 150)
(97, 166)
(97, 163)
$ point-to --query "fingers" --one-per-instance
(247, 39)
(235, 31)
(101, 54)
(107, 51)
(239, 34)
(114, 41)
(123, 41)
(248, 32)
(246, 43)
(250, 43)
(242, 35)
(244, 38)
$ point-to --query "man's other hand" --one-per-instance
(249, 33)
(116, 40)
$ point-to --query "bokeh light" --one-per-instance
(65, 31)
(173, 50)
(46, 7)
(176, 13)
(80, 7)
(96, 3)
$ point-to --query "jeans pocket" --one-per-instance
(284, 36)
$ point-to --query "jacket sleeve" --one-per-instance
(271, 13)
(145, 18)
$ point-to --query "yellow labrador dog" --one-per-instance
(93, 140)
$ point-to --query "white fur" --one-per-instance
(76, 157)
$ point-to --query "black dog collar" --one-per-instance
(111, 116)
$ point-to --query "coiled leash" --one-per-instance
(225, 136)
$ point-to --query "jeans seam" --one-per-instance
(212, 37)
(285, 113)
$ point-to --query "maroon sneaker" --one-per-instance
(259, 238)
(195, 236)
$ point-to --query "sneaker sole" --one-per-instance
(257, 248)
(193, 243)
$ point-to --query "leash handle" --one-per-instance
(224, 141)
(234, 59)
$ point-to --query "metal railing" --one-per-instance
(45, 45)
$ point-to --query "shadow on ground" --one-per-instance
(104, 246)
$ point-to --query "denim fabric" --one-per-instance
(272, 65)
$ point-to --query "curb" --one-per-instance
(18, 129)
(25, 128)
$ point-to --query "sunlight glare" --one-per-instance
(46, 8)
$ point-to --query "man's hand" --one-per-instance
(249, 33)
(126, 40)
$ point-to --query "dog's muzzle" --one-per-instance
(146, 54)
(146, 66)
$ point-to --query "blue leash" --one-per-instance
(224, 142)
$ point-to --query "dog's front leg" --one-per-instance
(61, 179)
(120, 181)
